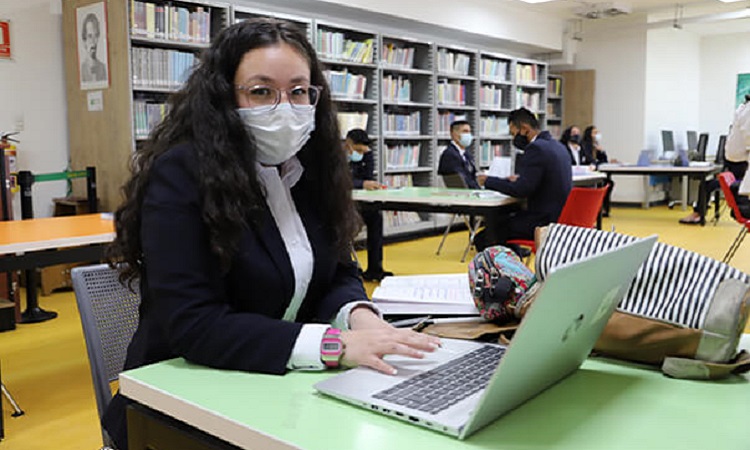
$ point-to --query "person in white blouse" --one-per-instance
(238, 221)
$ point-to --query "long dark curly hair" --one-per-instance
(203, 113)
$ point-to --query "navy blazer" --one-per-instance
(363, 170)
(544, 180)
(451, 162)
(229, 320)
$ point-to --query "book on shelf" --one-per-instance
(527, 73)
(175, 23)
(350, 120)
(401, 156)
(346, 84)
(453, 62)
(395, 56)
(439, 294)
(495, 70)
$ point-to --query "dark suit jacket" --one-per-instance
(452, 162)
(363, 170)
(544, 180)
(587, 155)
(226, 320)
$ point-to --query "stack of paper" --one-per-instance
(447, 294)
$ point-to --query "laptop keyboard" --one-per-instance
(444, 386)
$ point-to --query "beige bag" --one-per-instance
(684, 312)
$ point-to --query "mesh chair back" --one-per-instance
(701, 147)
(109, 317)
(582, 206)
(720, 150)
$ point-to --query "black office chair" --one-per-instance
(701, 147)
(455, 181)
(719, 159)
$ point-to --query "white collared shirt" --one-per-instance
(278, 184)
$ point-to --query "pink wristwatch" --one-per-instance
(331, 347)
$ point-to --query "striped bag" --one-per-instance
(683, 311)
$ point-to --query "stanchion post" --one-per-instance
(91, 189)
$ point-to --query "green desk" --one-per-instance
(603, 406)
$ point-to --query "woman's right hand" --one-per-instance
(367, 347)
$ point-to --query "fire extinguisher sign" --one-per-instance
(5, 39)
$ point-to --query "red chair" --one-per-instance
(725, 181)
(581, 210)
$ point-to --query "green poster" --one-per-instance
(743, 88)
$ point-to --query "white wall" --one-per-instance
(722, 58)
(673, 73)
(619, 59)
(32, 90)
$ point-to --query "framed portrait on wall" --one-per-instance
(743, 88)
(93, 52)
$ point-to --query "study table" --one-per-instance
(685, 172)
(604, 405)
(33, 243)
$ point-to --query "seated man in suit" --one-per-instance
(362, 164)
(543, 177)
(455, 158)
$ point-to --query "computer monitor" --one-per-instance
(692, 140)
(667, 141)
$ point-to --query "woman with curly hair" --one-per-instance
(238, 221)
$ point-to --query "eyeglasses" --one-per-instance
(266, 98)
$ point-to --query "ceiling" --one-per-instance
(699, 16)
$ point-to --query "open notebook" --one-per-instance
(444, 294)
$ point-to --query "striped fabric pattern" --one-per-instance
(673, 284)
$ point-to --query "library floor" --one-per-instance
(46, 368)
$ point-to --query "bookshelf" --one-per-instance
(407, 75)
(555, 105)
(496, 75)
(404, 90)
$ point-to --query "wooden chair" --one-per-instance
(725, 181)
(581, 209)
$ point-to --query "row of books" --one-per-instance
(553, 109)
(455, 63)
(147, 115)
(555, 131)
(488, 150)
(396, 88)
(398, 56)
(529, 100)
(527, 73)
(554, 86)
(175, 23)
(393, 219)
(402, 156)
(345, 84)
(494, 125)
(445, 119)
(160, 68)
(351, 120)
(451, 93)
(491, 96)
(335, 45)
(494, 69)
(406, 124)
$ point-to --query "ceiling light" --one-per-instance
(545, 1)
(730, 1)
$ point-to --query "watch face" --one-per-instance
(331, 346)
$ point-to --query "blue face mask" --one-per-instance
(466, 139)
(356, 157)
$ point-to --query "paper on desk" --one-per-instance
(500, 167)
(425, 294)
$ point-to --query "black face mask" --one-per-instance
(520, 141)
(576, 138)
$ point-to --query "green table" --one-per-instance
(604, 405)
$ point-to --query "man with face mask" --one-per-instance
(543, 177)
(455, 158)
(362, 163)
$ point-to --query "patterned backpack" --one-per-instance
(501, 284)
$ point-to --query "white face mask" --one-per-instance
(598, 137)
(279, 134)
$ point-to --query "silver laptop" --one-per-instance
(554, 339)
